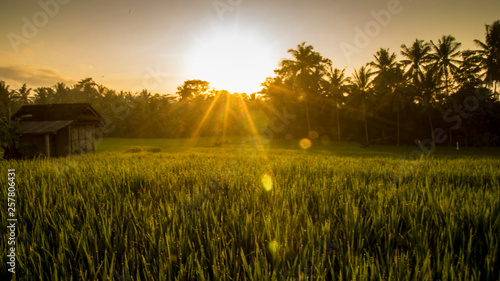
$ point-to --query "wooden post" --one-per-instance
(47, 145)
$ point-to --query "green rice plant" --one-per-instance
(205, 214)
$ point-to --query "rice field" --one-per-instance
(226, 213)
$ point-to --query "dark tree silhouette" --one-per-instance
(490, 53)
(362, 94)
(416, 57)
(427, 88)
(305, 71)
(444, 59)
(192, 88)
(336, 86)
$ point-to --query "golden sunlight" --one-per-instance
(232, 60)
(267, 182)
(305, 143)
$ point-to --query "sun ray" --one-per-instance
(228, 97)
(268, 175)
(253, 129)
(207, 113)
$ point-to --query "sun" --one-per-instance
(232, 60)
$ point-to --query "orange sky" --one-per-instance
(132, 45)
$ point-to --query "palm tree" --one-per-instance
(384, 66)
(384, 62)
(22, 95)
(443, 58)
(44, 95)
(469, 69)
(361, 84)
(394, 98)
(416, 57)
(428, 88)
(335, 84)
(490, 53)
(86, 90)
(192, 88)
(389, 83)
(62, 93)
(305, 71)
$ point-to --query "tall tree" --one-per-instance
(44, 95)
(384, 62)
(428, 97)
(490, 53)
(469, 69)
(444, 59)
(22, 95)
(389, 83)
(395, 97)
(305, 70)
(192, 88)
(361, 93)
(86, 90)
(336, 87)
(415, 58)
(384, 65)
(62, 93)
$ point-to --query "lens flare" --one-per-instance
(267, 182)
(313, 135)
(305, 143)
(273, 247)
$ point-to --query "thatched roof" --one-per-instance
(58, 112)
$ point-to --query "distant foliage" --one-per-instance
(434, 85)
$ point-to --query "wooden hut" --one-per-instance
(58, 130)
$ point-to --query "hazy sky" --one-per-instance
(132, 44)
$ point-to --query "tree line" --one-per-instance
(435, 91)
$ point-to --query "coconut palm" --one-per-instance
(469, 69)
(384, 62)
(336, 85)
(384, 66)
(62, 93)
(389, 83)
(361, 92)
(490, 53)
(416, 57)
(305, 71)
(44, 95)
(22, 95)
(428, 97)
(192, 88)
(86, 90)
(395, 98)
(444, 59)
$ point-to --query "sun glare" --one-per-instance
(232, 60)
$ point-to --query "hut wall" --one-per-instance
(82, 139)
(61, 143)
(31, 144)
